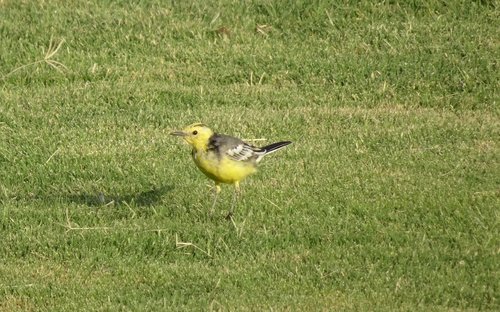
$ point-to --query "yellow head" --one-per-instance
(196, 135)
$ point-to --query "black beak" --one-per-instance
(178, 133)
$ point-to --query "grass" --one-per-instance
(388, 200)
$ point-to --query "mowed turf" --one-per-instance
(387, 200)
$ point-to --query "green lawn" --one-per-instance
(387, 200)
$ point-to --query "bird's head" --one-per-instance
(196, 135)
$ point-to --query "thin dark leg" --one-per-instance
(235, 200)
(216, 195)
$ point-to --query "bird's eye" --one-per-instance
(195, 132)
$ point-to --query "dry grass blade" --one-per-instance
(180, 245)
(51, 52)
(263, 29)
(56, 65)
(71, 227)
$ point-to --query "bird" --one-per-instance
(223, 158)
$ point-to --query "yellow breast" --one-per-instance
(222, 169)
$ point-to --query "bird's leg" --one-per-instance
(216, 194)
(235, 200)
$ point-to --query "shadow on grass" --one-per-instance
(143, 199)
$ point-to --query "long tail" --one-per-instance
(271, 148)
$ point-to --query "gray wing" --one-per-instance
(234, 148)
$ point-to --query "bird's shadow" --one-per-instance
(143, 199)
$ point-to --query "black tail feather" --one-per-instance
(275, 146)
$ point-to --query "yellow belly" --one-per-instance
(224, 170)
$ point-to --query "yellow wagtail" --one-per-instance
(223, 158)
